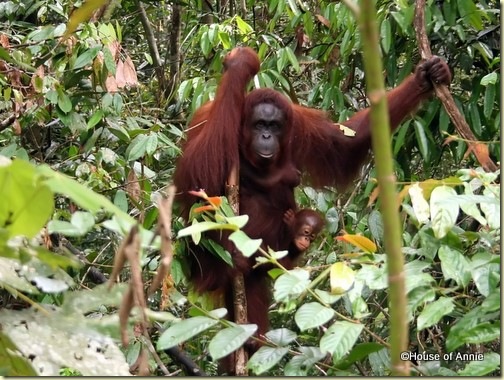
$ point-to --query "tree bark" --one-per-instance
(151, 42)
(174, 49)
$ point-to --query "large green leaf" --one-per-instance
(433, 312)
(444, 210)
(27, 200)
(265, 358)
(181, 331)
(339, 339)
(312, 314)
(454, 265)
(477, 368)
(229, 340)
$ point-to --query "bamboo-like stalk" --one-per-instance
(382, 148)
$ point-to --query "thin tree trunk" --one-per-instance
(239, 295)
(207, 10)
(174, 49)
(382, 148)
(243, 9)
(151, 42)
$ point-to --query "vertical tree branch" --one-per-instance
(207, 10)
(151, 42)
(239, 295)
(243, 9)
(382, 148)
(174, 48)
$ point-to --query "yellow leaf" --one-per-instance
(359, 241)
(342, 278)
(82, 14)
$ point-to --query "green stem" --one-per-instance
(380, 133)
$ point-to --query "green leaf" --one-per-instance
(374, 277)
(95, 119)
(492, 302)
(281, 337)
(478, 368)
(44, 33)
(470, 14)
(200, 227)
(419, 296)
(84, 221)
(265, 358)
(87, 57)
(4, 54)
(327, 297)
(117, 103)
(470, 207)
(420, 205)
(205, 45)
(27, 202)
(332, 220)
(282, 59)
(444, 210)
(300, 364)
(80, 194)
(229, 340)
(339, 339)
(433, 312)
(482, 333)
(243, 27)
(488, 103)
(225, 40)
(454, 265)
(402, 21)
(121, 200)
(64, 102)
(137, 148)
(245, 244)
(492, 209)
(342, 277)
(216, 248)
(375, 224)
(56, 260)
(455, 337)
(293, 59)
(489, 79)
(63, 227)
(181, 331)
(239, 221)
(386, 35)
(13, 361)
(311, 315)
(151, 144)
(291, 284)
(358, 353)
(109, 60)
(421, 137)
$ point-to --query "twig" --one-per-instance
(7, 122)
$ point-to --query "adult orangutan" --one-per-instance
(272, 141)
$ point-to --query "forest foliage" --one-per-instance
(92, 121)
